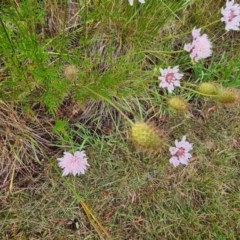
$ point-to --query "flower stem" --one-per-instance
(206, 95)
(186, 33)
(111, 103)
(166, 52)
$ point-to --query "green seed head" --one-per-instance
(228, 97)
(208, 89)
(145, 137)
(178, 104)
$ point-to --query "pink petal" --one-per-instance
(174, 161)
(176, 83)
(196, 32)
(187, 47)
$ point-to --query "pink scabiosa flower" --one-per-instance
(73, 163)
(231, 15)
(180, 153)
(170, 78)
(200, 47)
(131, 1)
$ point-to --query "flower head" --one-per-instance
(131, 1)
(231, 15)
(180, 153)
(73, 163)
(200, 47)
(170, 78)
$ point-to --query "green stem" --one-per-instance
(168, 52)
(184, 34)
(206, 95)
(111, 103)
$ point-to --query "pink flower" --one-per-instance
(200, 47)
(131, 1)
(180, 153)
(73, 163)
(231, 15)
(170, 77)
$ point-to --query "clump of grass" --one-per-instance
(24, 141)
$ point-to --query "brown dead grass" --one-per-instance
(23, 143)
(61, 16)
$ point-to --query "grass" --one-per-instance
(117, 50)
(139, 196)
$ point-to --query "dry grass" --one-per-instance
(24, 141)
(61, 16)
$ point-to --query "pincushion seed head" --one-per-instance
(70, 72)
(208, 89)
(145, 137)
(228, 96)
(178, 104)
